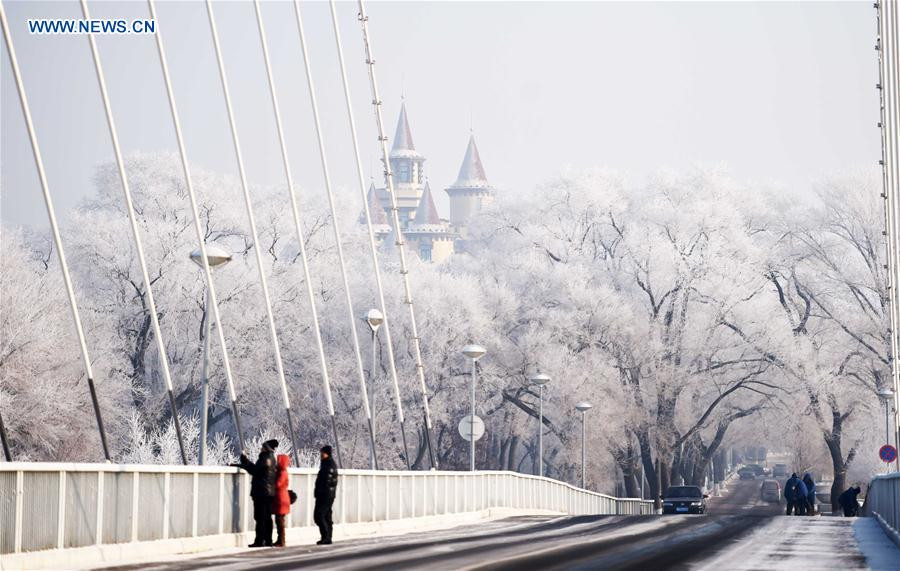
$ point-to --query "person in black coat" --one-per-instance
(848, 501)
(792, 493)
(262, 490)
(324, 492)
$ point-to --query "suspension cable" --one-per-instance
(889, 93)
(198, 228)
(295, 210)
(371, 232)
(279, 365)
(334, 224)
(126, 189)
(389, 177)
(54, 228)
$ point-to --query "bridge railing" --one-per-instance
(883, 500)
(57, 506)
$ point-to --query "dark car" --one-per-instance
(757, 469)
(780, 471)
(747, 473)
(770, 491)
(684, 500)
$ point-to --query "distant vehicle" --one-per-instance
(684, 500)
(747, 473)
(823, 492)
(770, 491)
(757, 469)
(780, 471)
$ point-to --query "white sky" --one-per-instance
(778, 91)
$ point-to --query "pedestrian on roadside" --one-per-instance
(262, 490)
(281, 502)
(811, 493)
(790, 493)
(325, 491)
(848, 501)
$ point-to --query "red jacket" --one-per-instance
(281, 502)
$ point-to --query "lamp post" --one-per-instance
(540, 379)
(373, 319)
(473, 352)
(583, 407)
(217, 257)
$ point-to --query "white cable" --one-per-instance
(389, 176)
(126, 189)
(362, 189)
(334, 219)
(198, 227)
(295, 210)
(248, 204)
(54, 227)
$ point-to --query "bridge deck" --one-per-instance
(741, 533)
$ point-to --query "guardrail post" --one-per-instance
(135, 513)
(100, 491)
(20, 493)
(222, 503)
(195, 503)
(61, 523)
(373, 494)
(165, 529)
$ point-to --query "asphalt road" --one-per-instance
(571, 543)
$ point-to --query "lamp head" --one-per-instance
(374, 318)
(539, 379)
(584, 406)
(214, 254)
(473, 351)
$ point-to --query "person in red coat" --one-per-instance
(281, 501)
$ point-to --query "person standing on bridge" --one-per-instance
(325, 491)
(281, 502)
(800, 498)
(848, 501)
(791, 493)
(810, 494)
(262, 490)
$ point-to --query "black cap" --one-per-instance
(326, 449)
(273, 444)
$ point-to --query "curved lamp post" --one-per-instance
(373, 319)
(217, 257)
(886, 395)
(540, 379)
(473, 352)
(583, 407)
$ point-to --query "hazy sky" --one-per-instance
(777, 91)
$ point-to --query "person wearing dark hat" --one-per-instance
(262, 490)
(324, 492)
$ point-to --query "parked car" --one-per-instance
(770, 491)
(780, 471)
(684, 500)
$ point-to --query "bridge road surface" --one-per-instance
(741, 532)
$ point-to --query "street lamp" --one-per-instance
(583, 407)
(373, 319)
(540, 379)
(216, 257)
(473, 352)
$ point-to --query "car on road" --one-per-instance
(770, 491)
(747, 473)
(780, 471)
(684, 500)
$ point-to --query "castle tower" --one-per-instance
(471, 191)
(429, 236)
(407, 165)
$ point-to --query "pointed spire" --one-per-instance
(403, 137)
(471, 172)
(426, 213)
(376, 210)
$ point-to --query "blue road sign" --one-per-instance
(887, 453)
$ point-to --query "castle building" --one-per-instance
(431, 237)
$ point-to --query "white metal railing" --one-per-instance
(57, 505)
(883, 499)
